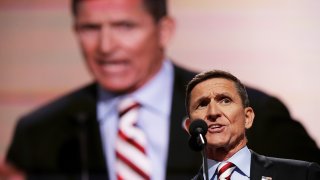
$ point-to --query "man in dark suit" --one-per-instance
(219, 100)
(123, 43)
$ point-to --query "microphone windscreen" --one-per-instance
(197, 127)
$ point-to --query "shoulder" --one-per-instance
(267, 161)
(183, 74)
(261, 99)
(296, 169)
(61, 106)
(282, 163)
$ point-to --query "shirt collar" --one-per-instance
(156, 94)
(242, 159)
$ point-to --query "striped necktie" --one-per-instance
(131, 159)
(225, 170)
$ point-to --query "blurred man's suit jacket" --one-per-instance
(63, 137)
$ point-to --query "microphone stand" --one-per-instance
(204, 157)
(81, 120)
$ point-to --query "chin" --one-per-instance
(218, 140)
(116, 88)
(216, 144)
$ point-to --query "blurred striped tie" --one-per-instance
(131, 159)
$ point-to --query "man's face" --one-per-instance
(218, 103)
(120, 41)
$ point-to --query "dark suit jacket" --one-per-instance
(63, 137)
(278, 169)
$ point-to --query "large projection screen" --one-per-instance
(271, 45)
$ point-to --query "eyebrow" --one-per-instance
(216, 96)
(221, 95)
(201, 99)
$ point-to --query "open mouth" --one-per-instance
(113, 67)
(216, 128)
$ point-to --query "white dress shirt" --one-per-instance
(242, 160)
(154, 119)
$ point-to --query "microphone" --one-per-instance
(197, 141)
(198, 129)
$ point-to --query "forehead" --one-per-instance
(110, 7)
(110, 4)
(214, 86)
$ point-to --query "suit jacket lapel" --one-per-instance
(260, 166)
(180, 158)
(84, 113)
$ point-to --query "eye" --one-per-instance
(124, 25)
(225, 100)
(203, 103)
(84, 28)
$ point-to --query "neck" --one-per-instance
(224, 153)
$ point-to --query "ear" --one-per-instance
(186, 124)
(249, 116)
(167, 28)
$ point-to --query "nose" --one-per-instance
(213, 112)
(106, 41)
